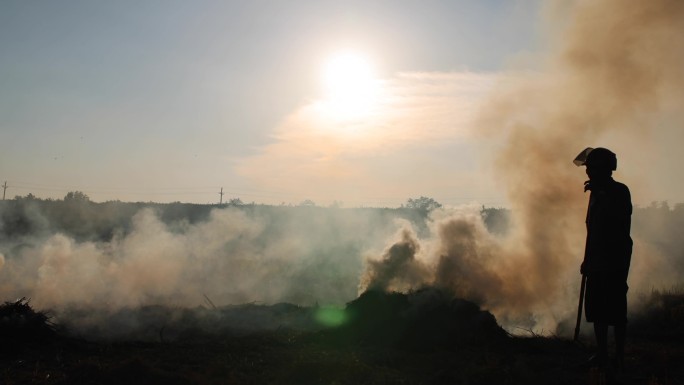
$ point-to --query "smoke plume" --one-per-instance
(398, 269)
(614, 70)
(614, 78)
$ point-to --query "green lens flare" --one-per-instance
(330, 316)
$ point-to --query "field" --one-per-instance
(450, 342)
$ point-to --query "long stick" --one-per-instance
(209, 301)
(579, 307)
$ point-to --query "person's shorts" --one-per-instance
(606, 298)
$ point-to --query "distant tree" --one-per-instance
(76, 196)
(497, 220)
(422, 203)
(28, 197)
(307, 203)
(235, 202)
(662, 205)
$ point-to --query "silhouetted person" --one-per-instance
(608, 251)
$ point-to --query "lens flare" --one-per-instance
(330, 316)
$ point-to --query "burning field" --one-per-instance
(239, 294)
(301, 295)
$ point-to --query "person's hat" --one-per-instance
(596, 157)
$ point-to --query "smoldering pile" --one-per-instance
(427, 318)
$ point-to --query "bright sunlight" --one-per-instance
(350, 84)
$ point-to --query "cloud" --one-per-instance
(416, 114)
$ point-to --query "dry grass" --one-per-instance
(287, 356)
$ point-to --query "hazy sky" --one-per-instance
(172, 100)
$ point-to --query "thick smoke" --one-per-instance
(615, 70)
(236, 255)
(398, 269)
(459, 256)
(463, 257)
(614, 78)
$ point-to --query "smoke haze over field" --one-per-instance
(308, 255)
(299, 255)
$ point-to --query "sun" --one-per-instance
(350, 83)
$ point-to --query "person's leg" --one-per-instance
(595, 306)
(601, 333)
(620, 335)
(618, 314)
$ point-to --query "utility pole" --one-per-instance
(221, 194)
(4, 189)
